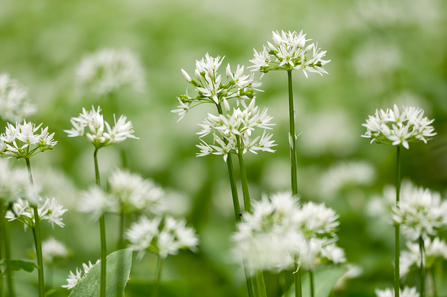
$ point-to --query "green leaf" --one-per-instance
(118, 270)
(138, 288)
(16, 265)
(324, 281)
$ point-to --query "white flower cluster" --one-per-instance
(74, 279)
(280, 232)
(14, 182)
(233, 132)
(96, 202)
(108, 70)
(48, 210)
(289, 52)
(208, 84)
(399, 128)
(434, 250)
(95, 122)
(53, 251)
(420, 213)
(406, 292)
(15, 104)
(163, 237)
(23, 141)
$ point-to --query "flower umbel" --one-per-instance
(15, 104)
(73, 279)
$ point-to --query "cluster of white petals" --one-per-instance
(47, 210)
(406, 292)
(161, 236)
(435, 249)
(74, 278)
(136, 194)
(97, 202)
(233, 132)
(108, 70)
(53, 251)
(420, 213)
(15, 104)
(399, 127)
(24, 140)
(14, 182)
(96, 134)
(281, 232)
(288, 52)
(210, 88)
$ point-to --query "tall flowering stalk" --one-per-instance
(23, 141)
(399, 128)
(289, 52)
(97, 135)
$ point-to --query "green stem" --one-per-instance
(397, 230)
(422, 269)
(37, 236)
(297, 279)
(244, 181)
(122, 227)
(102, 228)
(262, 291)
(312, 283)
(292, 140)
(158, 277)
(433, 278)
(7, 244)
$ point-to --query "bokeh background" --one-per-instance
(382, 52)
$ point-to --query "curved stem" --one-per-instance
(37, 235)
(158, 277)
(292, 139)
(422, 269)
(102, 228)
(397, 230)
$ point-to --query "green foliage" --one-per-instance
(118, 270)
(137, 288)
(25, 265)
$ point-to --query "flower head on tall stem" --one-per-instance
(15, 104)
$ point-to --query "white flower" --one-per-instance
(15, 104)
(136, 194)
(14, 182)
(210, 87)
(53, 251)
(399, 127)
(434, 250)
(317, 220)
(162, 239)
(406, 292)
(73, 279)
(96, 202)
(289, 52)
(94, 121)
(420, 213)
(24, 141)
(108, 70)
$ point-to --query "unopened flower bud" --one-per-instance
(186, 76)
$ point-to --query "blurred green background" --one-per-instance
(382, 53)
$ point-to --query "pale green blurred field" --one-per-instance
(382, 53)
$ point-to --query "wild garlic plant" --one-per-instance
(93, 121)
(74, 278)
(287, 53)
(162, 236)
(15, 104)
(23, 141)
(399, 128)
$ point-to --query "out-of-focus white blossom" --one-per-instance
(14, 182)
(290, 52)
(163, 237)
(53, 251)
(24, 141)
(399, 127)
(15, 104)
(316, 220)
(435, 249)
(47, 210)
(420, 213)
(108, 70)
(406, 292)
(96, 202)
(135, 194)
(96, 134)
(233, 132)
(74, 278)
(211, 89)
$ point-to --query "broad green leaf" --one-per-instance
(118, 270)
(26, 265)
(137, 288)
(324, 281)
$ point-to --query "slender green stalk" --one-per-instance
(157, 277)
(262, 292)
(312, 283)
(433, 278)
(297, 279)
(37, 236)
(122, 227)
(422, 269)
(244, 181)
(293, 164)
(2, 243)
(7, 248)
(102, 228)
(397, 230)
